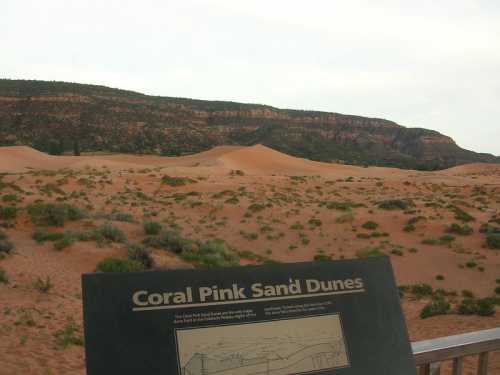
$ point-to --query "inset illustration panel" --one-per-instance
(278, 347)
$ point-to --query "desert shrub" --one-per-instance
(152, 228)
(489, 229)
(369, 252)
(342, 206)
(111, 233)
(446, 239)
(409, 228)
(459, 229)
(54, 214)
(493, 241)
(470, 264)
(380, 234)
(439, 277)
(481, 307)
(249, 235)
(438, 306)
(10, 198)
(4, 279)
(397, 252)
(296, 226)
(122, 216)
(370, 225)
(140, 254)
(173, 241)
(462, 215)
(232, 200)
(6, 246)
(421, 290)
(497, 290)
(314, 222)
(177, 181)
(41, 235)
(111, 264)
(8, 212)
(212, 253)
(3, 235)
(65, 241)
(69, 335)
(395, 204)
(43, 286)
(363, 235)
(322, 257)
(467, 294)
(256, 207)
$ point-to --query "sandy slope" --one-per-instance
(104, 183)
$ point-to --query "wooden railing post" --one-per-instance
(482, 366)
(457, 365)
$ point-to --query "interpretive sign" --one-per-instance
(340, 317)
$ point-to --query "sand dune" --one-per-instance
(254, 160)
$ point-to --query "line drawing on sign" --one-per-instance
(277, 347)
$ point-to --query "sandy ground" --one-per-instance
(291, 192)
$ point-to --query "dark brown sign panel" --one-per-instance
(340, 317)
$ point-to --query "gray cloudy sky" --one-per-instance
(433, 64)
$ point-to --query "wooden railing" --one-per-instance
(429, 354)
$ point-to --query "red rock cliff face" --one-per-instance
(61, 117)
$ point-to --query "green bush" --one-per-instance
(322, 258)
(64, 242)
(437, 306)
(3, 235)
(497, 290)
(8, 212)
(152, 228)
(54, 214)
(69, 336)
(6, 246)
(370, 225)
(489, 229)
(111, 233)
(369, 252)
(459, 229)
(481, 307)
(447, 239)
(122, 216)
(140, 254)
(493, 241)
(462, 215)
(422, 290)
(112, 264)
(395, 204)
(212, 253)
(256, 207)
(341, 206)
(397, 252)
(171, 240)
(409, 228)
(41, 235)
(177, 181)
(314, 222)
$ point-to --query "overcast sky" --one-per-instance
(432, 64)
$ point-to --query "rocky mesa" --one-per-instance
(58, 118)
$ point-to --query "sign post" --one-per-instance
(340, 317)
